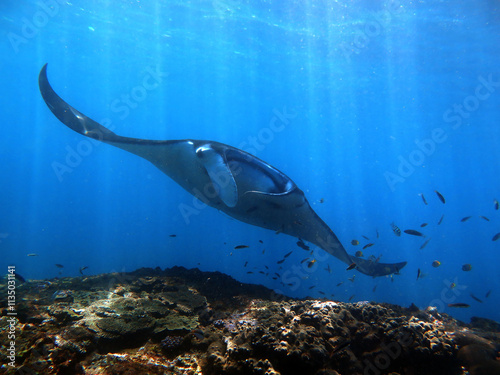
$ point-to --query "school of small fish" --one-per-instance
(310, 261)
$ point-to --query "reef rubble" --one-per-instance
(179, 321)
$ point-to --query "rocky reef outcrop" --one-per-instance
(179, 321)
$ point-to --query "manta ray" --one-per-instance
(226, 178)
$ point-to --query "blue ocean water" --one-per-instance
(366, 105)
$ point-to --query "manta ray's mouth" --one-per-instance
(265, 178)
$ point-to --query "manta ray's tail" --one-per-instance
(373, 268)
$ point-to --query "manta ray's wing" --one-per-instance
(226, 178)
(175, 158)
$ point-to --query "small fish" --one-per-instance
(351, 297)
(173, 235)
(290, 284)
(359, 254)
(311, 287)
(484, 218)
(352, 266)
(487, 294)
(463, 220)
(287, 254)
(354, 242)
(423, 225)
(264, 251)
(496, 204)
(246, 264)
(496, 237)
(458, 305)
(328, 268)
(475, 298)
(466, 267)
(340, 347)
(59, 265)
(374, 289)
(425, 244)
(453, 285)
(436, 264)
(32, 255)
(262, 272)
(240, 247)
(261, 241)
(311, 263)
(320, 292)
(376, 231)
(368, 245)
(396, 230)
(61, 294)
(280, 261)
(274, 278)
(198, 333)
(441, 220)
(249, 272)
(418, 273)
(414, 232)
(266, 267)
(366, 238)
(351, 279)
(322, 200)
(302, 245)
(423, 199)
(440, 196)
(339, 284)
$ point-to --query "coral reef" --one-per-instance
(180, 321)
